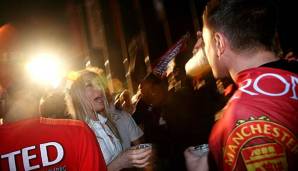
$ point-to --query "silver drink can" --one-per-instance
(144, 145)
(201, 150)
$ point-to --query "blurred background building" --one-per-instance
(124, 37)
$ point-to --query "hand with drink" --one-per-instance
(198, 65)
(136, 156)
(199, 44)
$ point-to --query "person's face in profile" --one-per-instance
(210, 49)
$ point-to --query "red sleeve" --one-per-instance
(90, 155)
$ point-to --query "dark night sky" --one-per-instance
(49, 18)
(45, 23)
(38, 22)
(22, 10)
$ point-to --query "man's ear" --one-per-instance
(219, 43)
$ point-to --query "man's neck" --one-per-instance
(246, 61)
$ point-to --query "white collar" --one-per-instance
(102, 119)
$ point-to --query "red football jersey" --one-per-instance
(49, 144)
(259, 126)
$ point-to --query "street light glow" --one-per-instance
(46, 69)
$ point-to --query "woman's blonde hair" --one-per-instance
(81, 106)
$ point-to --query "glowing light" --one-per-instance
(46, 69)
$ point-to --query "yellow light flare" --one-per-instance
(46, 69)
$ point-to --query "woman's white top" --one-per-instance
(128, 129)
(110, 145)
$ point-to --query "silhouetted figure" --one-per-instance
(54, 106)
(189, 111)
(149, 116)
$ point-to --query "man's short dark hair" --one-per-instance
(248, 24)
(54, 106)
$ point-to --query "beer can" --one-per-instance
(201, 150)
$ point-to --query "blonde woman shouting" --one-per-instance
(90, 104)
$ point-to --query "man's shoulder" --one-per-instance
(120, 114)
(122, 118)
(62, 122)
(278, 69)
(45, 122)
(38, 125)
(290, 66)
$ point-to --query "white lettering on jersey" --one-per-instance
(294, 82)
(44, 155)
(26, 157)
(11, 159)
(256, 89)
(243, 88)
